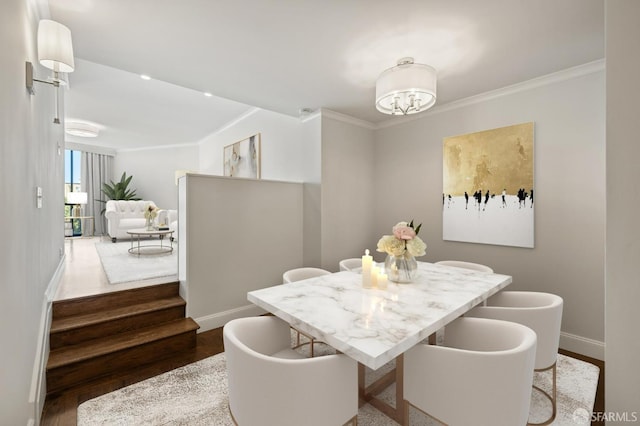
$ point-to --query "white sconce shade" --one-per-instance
(84, 130)
(55, 50)
(407, 88)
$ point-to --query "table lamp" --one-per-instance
(77, 198)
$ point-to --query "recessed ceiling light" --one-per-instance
(84, 130)
(207, 94)
(145, 77)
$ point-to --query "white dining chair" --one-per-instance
(351, 264)
(299, 274)
(481, 375)
(270, 384)
(466, 265)
(542, 312)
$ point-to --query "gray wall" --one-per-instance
(623, 204)
(239, 235)
(347, 191)
(568, 258)
(30, 257)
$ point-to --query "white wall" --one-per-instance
(623, 204)
(285, 153)
(347, 190)
(568, 258)
(154, 169)
(33, 237)
(239, 235)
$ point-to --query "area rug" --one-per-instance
(196, 395)
(121, 266)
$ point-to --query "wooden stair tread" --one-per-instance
(116, 299)
(91, 349)
(77, 321)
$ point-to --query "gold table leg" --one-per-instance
(368, 394)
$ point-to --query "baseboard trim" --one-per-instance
(219, 319)
(582, 345)
(38, 389)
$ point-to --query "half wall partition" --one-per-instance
(236, 235)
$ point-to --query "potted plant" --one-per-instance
(118, 190)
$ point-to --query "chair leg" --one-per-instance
(311, 342)
(553, 398)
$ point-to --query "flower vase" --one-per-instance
(401, 269)
(149, 225)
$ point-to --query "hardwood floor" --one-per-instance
(62, 409)
(84, 276)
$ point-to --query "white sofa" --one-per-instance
(123, 215)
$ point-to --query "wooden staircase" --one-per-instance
(97, 336)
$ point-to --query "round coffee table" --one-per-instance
(150, 248)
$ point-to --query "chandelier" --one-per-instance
(407, 88)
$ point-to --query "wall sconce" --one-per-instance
(55, 51)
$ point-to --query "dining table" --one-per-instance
(375, 326)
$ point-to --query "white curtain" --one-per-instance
(97, 169)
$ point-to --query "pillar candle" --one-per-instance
(366, 269)
(382, 280)
(374, 276)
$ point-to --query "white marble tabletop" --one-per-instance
(374, 326)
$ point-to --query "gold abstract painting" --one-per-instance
(488, 191)
(242, 159)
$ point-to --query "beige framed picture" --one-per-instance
(242, 159)
(488, 188)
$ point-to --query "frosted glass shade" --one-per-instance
(407, 88)
(55, 50)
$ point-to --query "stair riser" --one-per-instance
(109, 328)
(85, 305)
(62, 378)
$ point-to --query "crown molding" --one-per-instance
(97, 149)
(347, 119)
(315, 114)
(563, 75)
(157, 147)
(231, 123)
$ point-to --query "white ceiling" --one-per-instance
(284, 55)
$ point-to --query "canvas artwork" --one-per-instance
(488, 195)
(242, 159)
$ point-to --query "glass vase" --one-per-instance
(401, 269)
(149, 224)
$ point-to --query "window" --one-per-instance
(71, 171)
(71, 183)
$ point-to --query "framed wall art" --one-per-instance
(242, 159)
(488, 192)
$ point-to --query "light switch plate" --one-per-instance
(39, 197)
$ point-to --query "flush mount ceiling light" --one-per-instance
(55, 51)
(407, 88)
(84, 130)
